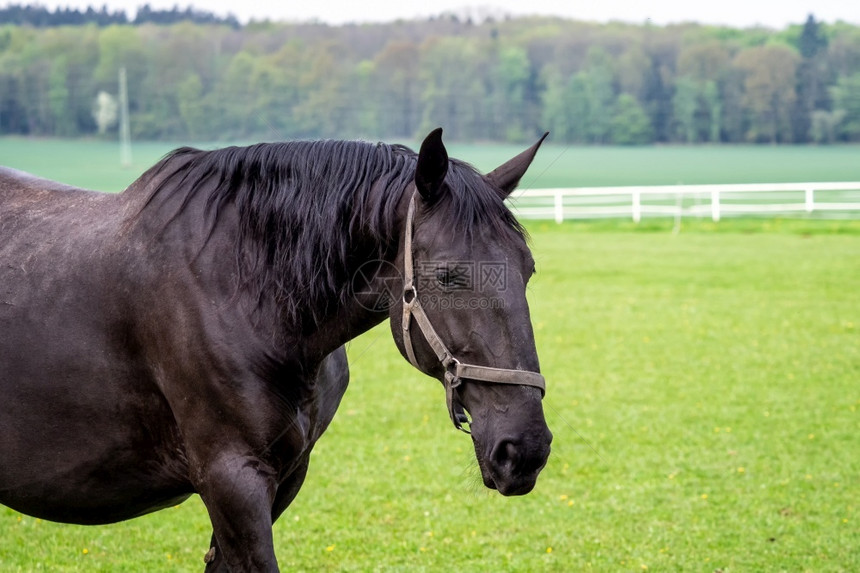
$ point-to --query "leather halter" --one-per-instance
(455, 371)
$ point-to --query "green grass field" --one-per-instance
(702, 389)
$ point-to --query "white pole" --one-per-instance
(636, 207)
(559, 207)
(679, 206)
(715, 205)
(810, 199)
(124, 130)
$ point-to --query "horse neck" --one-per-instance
(184, 233)
(356, 314)
(338, 329)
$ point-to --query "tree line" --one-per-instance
(42, 17)
(501, 80)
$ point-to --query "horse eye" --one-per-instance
(443, 276)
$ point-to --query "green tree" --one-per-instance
(556, 115)
(630, 123)
(453, 88)
(843, 50)
(811, 73)
(825, 125)
(323, 107)
(565, 106)
(714, 104)
(58, 99)
(236, 104)
(703, 67)
(362, 119)
(509, 79)
(685, 104)
(735, 120)
(697, 108)
(846, 101)
(705, 61)
(632, 70)
(398, 94)
(12, 114)
(578, 101)
(122, 46)
(657, 95)
(78, 48)
(769, 79)
(601, 96)
(192, 108)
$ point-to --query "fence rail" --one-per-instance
(716, 201)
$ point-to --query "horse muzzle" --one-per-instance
(512, 466)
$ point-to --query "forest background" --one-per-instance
(194, 75)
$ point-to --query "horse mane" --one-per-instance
(309, 211)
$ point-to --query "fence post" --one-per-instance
(810, 199)
(715, 205)
(636, 207)
(559, 207)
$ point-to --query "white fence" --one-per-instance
(840, 199)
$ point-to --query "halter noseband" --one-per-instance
(455, 371)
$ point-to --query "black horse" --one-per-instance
(186, 336)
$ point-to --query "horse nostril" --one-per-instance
(505, 453)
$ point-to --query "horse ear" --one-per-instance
(507, 176)
(432, 166)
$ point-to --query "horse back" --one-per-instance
(11, 179)
(54, 241)
(29, 198)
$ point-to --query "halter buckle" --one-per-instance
(450, 364)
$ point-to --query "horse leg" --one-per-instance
(333, 378)
(239, 497)
(289, 489)
(285, 495)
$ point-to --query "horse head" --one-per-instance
(464, 318)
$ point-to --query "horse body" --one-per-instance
(186, 336)
(65, 377)
(96, 361)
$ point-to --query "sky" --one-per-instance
(737, 13)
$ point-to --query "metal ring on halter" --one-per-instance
(450, 364)
(407, 290)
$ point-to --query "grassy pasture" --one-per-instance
(703, 392)
(95, 164)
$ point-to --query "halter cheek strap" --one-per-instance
(455, 371)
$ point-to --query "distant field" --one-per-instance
(95, 164)
(703, 392)
(559, 166)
